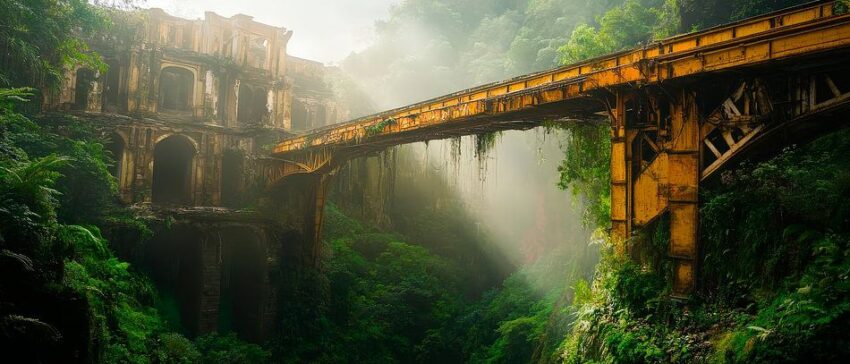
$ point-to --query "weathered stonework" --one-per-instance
(212, 260)
(190, 107)
(224, 87)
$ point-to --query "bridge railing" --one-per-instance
(693, 53)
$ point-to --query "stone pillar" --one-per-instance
(211, 251)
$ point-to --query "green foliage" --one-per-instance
(107, 307)
(228, 349)
(699, 14)
(388, 299)
(379, 127)
(173, 348)
(624, 26)
(397, 302)
(785, 221)
(41, 37)
(773, 277)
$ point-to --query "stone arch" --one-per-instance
(176, 88)
(173, 170)
(82, 87)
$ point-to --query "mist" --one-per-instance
(510, 190)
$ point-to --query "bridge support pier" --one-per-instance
(620, 177)
(655, 167)
(683, 177)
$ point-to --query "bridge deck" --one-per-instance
(798, 31)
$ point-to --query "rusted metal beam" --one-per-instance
(795, 32)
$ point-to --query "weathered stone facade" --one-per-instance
(189, 107)
(223, 87)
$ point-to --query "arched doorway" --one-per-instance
(175, 89)
(174, 159)
(82, 88)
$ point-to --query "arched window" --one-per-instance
(82, 88)
(174, 158)
(176, 87)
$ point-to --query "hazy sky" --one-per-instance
(325, 30)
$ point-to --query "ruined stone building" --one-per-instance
(201, 94)
(189, 107)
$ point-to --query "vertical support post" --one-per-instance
(210, 293)
(620, 217)
(683, 178)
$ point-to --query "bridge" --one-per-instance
(680, 109)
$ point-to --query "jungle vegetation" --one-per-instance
(409, 293)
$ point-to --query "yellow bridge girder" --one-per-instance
(663, 145)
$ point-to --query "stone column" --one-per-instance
(211, 257)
